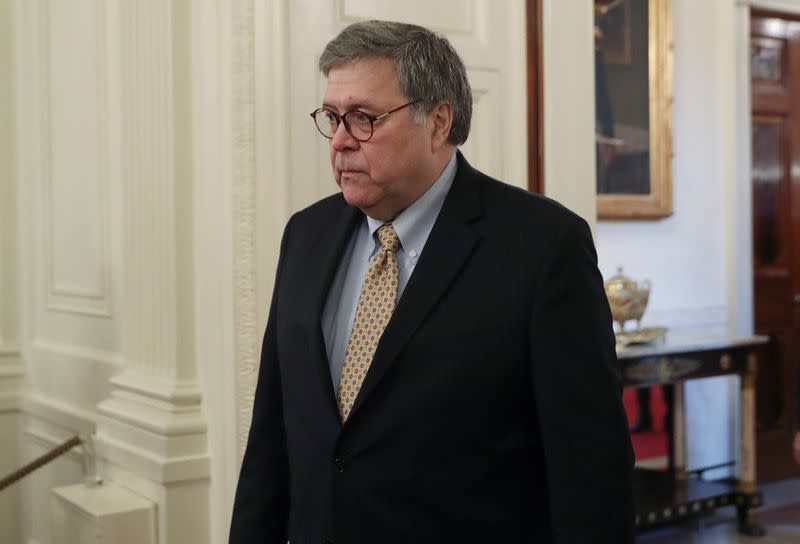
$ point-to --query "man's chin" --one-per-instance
(356, 198)
(370, 206)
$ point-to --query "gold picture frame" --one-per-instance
(634, 144)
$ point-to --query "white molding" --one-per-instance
(245, 218)
(79, 300)
(271, 185)
(152, 429)
(113, 445)
(244, 209)
(59, 413)
(176, 393)
(149, 423)
(75, 353)
(787, 6)
(474, 10)
(213, 146)
(152, 416)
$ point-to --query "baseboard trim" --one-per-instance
(146, 464)
(48, 349)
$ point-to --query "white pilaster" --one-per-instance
(240, 128)
(212, 32)
(151, 428)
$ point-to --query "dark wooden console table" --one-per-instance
(671, 495)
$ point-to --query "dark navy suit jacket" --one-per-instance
(491, 412)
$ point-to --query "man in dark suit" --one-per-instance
(438, 364)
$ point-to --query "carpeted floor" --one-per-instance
(787, 515)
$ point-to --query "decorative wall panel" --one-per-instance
(483, 148)
(448, 16)
(77, 256)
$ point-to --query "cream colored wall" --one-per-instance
(10, 369)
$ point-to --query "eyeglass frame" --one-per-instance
(342, 119)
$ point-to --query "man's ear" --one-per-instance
(442, 118)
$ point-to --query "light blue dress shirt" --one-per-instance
(412, 226)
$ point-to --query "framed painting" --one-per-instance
(633, 108)
(533, 9)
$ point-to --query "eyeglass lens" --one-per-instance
(359, 125)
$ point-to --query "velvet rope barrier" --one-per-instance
(41, 461)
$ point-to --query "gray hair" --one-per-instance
(428, 68)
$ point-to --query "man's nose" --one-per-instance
(342, 139)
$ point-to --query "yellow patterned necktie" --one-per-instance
(375, 306)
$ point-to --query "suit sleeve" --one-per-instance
(261, 507)
(585, 439)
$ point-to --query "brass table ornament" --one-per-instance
(640, 336)
(628, 300)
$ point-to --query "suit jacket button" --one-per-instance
(338, 465)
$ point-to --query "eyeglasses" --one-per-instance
(358, 124)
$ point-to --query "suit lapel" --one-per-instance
(327, 252)
(449, 245)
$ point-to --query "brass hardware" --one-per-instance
(752, 363)
(725, 362)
